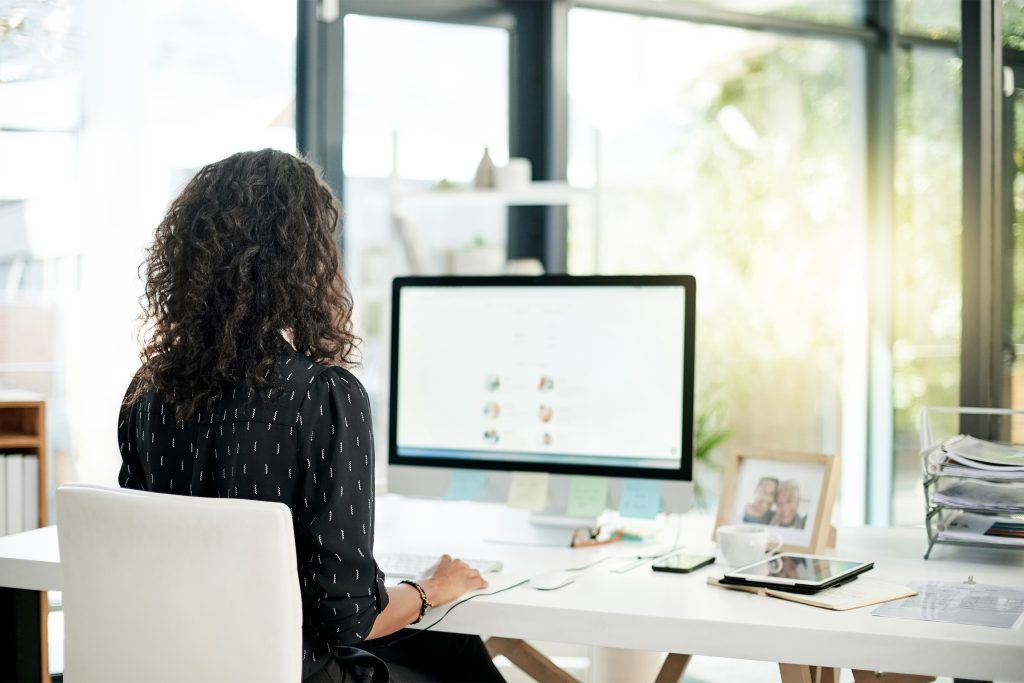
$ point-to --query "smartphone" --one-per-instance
(682, 563)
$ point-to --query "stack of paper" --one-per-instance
(980, 495)
(960, 603)
(968, 457)
(996, 529)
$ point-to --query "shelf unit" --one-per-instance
(536, 193)
(23, 428)
(939, 515)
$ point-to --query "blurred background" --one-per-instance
(804, 159)
(813, 163)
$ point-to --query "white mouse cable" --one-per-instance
(451, 607)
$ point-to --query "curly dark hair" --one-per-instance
(245, 255)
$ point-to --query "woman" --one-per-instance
(759, 509)
(787, 505)
(244, 392)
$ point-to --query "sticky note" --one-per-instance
(641, 498)
(588, 496)
(528, 490)
(466, 485)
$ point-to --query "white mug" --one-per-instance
(743, 545)
(513, 176)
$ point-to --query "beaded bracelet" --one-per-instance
(424, 603)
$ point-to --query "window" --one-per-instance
(740, 141)
(937, 19)
(429, 96)
(836, 11)
(733, 155)
(926, 278)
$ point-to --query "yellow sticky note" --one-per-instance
(588, 496)
(528, 490)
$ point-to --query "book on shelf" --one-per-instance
(19, 492)
(861, 592)
(3, 496)
(30, 491)
(978, 528)
(13, 501)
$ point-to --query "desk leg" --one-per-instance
(861, 676)
(797, 673)
(22, 630)
(828, 674)
(673, 669)
(802, 673)
(529, 659)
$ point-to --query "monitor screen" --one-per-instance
(553, 373)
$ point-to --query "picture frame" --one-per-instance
(790, 493)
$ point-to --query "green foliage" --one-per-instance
(1013, 24)
(709, 435)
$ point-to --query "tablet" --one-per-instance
(798, 573)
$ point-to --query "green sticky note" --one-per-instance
(528, 490)
(588, 496)
(466, 485)
(641, 498)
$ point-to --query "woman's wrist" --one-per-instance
(425, 603)
(433, 591)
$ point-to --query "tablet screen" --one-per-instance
(798, 567)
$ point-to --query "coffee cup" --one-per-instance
(742, 545)
(513, 176)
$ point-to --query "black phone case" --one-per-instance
(682, 570)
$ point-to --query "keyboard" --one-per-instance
(410, 566)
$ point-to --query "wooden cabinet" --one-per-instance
(23, 430)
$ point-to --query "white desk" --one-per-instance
(666, 612)
(30, 560)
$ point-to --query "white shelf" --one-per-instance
(540, 193)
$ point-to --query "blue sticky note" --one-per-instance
(466, 485)
(641, 498)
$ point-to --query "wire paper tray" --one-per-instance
(965, 524)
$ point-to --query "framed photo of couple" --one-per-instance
(790, 493)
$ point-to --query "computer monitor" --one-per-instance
(568, 375)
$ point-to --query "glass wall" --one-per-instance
(926, 261)
(422, 102)
(1013, 40)
(937, 19)
(734, 156)
(683, 133)
(1015, 135)
(831, 11)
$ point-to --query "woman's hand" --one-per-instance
(451, 578)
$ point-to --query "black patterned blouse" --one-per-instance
(310, 447)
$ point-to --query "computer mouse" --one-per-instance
(552, 580)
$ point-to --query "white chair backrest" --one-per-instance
(159, 587)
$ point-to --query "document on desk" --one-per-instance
(959, 603)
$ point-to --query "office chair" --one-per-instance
(166, 588)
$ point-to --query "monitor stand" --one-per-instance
(544, 529)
